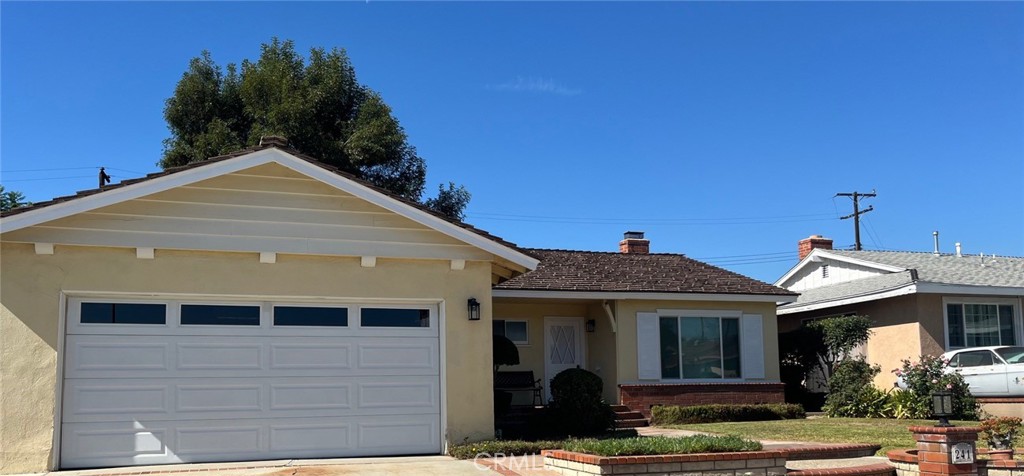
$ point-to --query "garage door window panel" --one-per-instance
(219, 315)
(304, 316)
(123, 313)
(394, 317)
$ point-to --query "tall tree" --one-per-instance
(12, 199)
(317, 104)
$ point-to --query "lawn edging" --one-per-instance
(772, 463)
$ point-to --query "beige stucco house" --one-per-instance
(261, 305)
(919, 302)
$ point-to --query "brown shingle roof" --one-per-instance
(590, 271)
(239, 153)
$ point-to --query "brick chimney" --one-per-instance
(278, 141)
(634, 242)
(805, 245)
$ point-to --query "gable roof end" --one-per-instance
(87, 200)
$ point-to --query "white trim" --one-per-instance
(442, 349)
(44, 248)
(650, 296)
(900, 291)
(58, 401)
(145, 253)
(458, 264)
(817, 255)
(268, 257)
(937, 288)
(719, 314)
(699, 313)
(235, 164)
(1018, 318)
(368, 261)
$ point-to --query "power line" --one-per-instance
(48, 178)
(642, 221)
(647, 219)
(780, 253)
(47, 170)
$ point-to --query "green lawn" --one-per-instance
(891, 434)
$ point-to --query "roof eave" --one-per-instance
(873, 296)
(640, 295)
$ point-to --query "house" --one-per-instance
(919, 302)
(263, 305)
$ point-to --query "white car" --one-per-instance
(990, 371)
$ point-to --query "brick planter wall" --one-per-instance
(642, 397)
(763, 463)
(906, 464)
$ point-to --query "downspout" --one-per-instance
(611, 316)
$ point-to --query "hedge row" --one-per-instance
(676, 415)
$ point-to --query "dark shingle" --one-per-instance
(590, 271)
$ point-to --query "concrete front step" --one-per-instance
(628, 415)
(633, 423)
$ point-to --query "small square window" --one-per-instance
(384, 317)
(516, 331)
(123, 313)
(310, 316)
(219, 315)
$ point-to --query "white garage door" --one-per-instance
(150, 382)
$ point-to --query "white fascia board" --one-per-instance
(818, 255)
(940, 288)
(647, 296)
(900, 291)
(133, 191)
(235, 164)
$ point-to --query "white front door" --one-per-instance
(563, 347)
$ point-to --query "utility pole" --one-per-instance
(857, 212)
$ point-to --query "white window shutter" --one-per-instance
(648, 346)
(752, 346)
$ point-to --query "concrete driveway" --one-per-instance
(419, 465)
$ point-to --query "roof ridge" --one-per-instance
(566, 250)
(915, 252)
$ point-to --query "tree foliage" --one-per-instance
(318, 104)
(839, 337)
(450, 201)
(11, 199)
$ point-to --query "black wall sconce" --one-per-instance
(474, 309)
(591, 325)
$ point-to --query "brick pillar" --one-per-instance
(935, 446)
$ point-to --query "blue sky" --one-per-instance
(723, 130)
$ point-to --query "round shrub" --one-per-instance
(930, 374)
(851, 390)
(577, 407)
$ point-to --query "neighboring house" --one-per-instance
(919, 302)
(262, 305)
